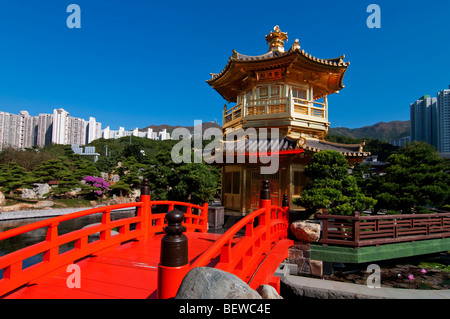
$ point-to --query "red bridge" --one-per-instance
(142, 261)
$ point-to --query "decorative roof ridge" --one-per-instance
(343, 144)
(266, 56)
(339, 61)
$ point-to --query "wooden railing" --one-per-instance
(274, 105)
(146, 225)
(232, 114)
(358, 231)
(310, 108)
(267, 106)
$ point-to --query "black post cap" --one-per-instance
(174, 245)
(145, 187)
(285, 201)
(174, 220)
(265, 191)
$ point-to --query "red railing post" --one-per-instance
(264, 195)
(174, 261)
(265, 202)
(285, 206)
(51, 237)
(145, 209)
(204, 219)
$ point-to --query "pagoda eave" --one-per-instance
(325, 74)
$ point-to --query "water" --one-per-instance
(24, 240)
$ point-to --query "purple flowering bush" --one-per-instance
(97, 182)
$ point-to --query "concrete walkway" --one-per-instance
(305, 287)
(52, 212)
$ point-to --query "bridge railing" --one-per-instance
(145, 225)
(241, 256)
(262, 228)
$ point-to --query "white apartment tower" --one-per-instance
(93, 131)
(60, 126)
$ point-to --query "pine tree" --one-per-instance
(415, 178)
(332, 187)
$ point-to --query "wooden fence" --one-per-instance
(358, 231)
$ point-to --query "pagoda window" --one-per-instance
(299, 182)
(299, 94)
(263, 92)
(248, 95)
(275, 91)
(232, 182)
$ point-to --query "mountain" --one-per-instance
(170, 128)
(382, 131)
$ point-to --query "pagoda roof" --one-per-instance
(274, 55)
(288, 145)
(240, 65)
(349, 150)
(326, 75)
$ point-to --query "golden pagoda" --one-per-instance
(280, 89)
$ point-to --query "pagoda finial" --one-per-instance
(296, 45)
(276, 39)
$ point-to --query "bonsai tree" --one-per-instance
(331, 186)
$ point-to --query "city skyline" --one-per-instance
(143, 63)
(23, 130)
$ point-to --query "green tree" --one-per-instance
(131, 172)
(416, 177)
(194, 182)
(68, 171)
(159, 173)
(332, 187)
(120, 188)
(13, 176)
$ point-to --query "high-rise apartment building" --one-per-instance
(17, 130)
(443, 132)
(423, 114)
(44, 129)
(430, 120)
(60, 126)
(94, 130)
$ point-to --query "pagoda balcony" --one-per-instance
(309, 108)
(275, 108)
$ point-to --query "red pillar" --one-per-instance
(204, 219)
(265, 202)
(264, 195)
(146, 209)
(285, 206)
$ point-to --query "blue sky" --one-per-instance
(139, 62)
